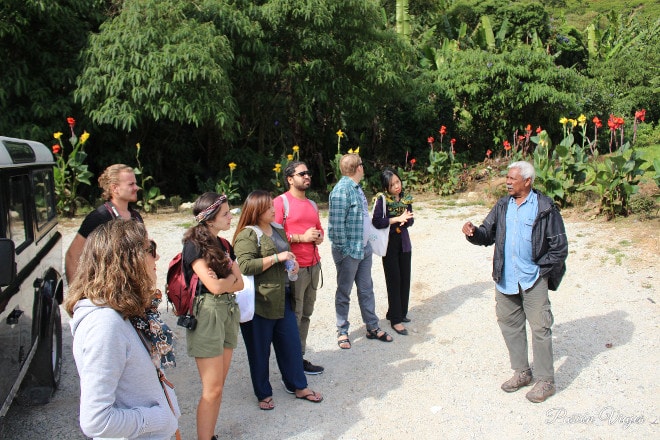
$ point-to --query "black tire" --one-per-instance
(45, 371)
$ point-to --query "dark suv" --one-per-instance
(31, 285)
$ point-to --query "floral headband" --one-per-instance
(207, 213)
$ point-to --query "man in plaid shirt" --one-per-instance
(349, 224)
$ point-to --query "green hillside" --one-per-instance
(580, 13)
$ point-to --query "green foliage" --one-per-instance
(150, 196)
(496, 93)
(70, 171)
(227, 186)
(40, 42)
(616, 179)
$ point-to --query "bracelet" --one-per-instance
(276, 258)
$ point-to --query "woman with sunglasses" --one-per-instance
(262, 250)
(213, 340)
(119, 342)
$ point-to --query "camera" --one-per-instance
(187, 321)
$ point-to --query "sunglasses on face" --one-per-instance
(303, 174)
(152, 248)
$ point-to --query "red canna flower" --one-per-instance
(597, 122)
(413, 161)
(71, 121)
(528, 128)
(611, 123)
(521, 137)
(539, 129)
(430, 140)
(488, 153)
(640, 114)
(56, 149)
(452, 141)
(443, 130)
(507, 145)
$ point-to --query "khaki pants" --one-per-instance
(304, 297)
(533, 306)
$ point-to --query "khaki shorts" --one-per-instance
(217, 325)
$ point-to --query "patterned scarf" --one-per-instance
(157, 332)
(396, 207)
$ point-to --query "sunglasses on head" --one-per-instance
(152, 248)
(303, 174)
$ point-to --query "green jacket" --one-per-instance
(269, 285)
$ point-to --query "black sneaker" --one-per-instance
(312, 369)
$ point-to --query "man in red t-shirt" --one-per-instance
(300, 218)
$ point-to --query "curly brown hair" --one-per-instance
(205, 241)
(113, 269)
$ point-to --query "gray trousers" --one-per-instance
(304, 297)
(349, 271)
(532, 305)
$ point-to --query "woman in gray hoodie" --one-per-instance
(119, 342)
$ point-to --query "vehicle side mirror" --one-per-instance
(8, 265)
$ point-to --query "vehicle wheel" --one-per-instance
(45, 371)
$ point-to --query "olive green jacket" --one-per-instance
(269, 285)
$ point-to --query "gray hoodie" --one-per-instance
(120, 393)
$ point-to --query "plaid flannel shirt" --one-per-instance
(346, 218)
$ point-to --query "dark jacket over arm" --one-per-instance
(549, 241)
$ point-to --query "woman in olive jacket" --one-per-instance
(261, 250)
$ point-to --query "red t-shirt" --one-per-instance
(302, 216)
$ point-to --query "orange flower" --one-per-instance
(640, 115)
(597, 122)
(56, 149)
(528, 128)
(443, 130)
(488, 153)
(452, 141)
(430, 140)
(413, 161)
(71, 121)
(507, 145)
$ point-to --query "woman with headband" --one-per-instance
(213, 340)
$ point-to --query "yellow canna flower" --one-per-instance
(340, 133)
(563, 121)
(289, 157)
(356, 151)
(138, 146)
(58, 135)
(582, 119)
(573, 122)
(350, 151)
(232, 166)
(278, 168)
(296, 148)
(84, 137)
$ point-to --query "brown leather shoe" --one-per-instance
(520, 379)
(541, 391)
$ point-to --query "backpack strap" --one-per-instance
(285, 205)
(257, 230)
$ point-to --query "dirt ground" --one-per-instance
(443, 380)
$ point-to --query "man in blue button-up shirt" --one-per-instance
(529, 258)
(349, 223)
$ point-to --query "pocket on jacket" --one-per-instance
(266, 289)
(526, 231)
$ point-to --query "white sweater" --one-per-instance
(120, 393)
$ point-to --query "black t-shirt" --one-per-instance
(191, 253)
(101, 215)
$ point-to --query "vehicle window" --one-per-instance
(17, 205)
(44, 197)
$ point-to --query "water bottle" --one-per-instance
(289, 264)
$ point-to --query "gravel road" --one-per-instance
(443, 380)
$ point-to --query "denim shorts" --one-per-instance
(217, 325)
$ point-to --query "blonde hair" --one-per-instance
(110, 177)
(349, 163)
(113, 269)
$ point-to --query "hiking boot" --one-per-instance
(519, 379)
(541, 391)
(312, 369)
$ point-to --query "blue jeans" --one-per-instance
(349, 271)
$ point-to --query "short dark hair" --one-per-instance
(386, 178)
(290, 169)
